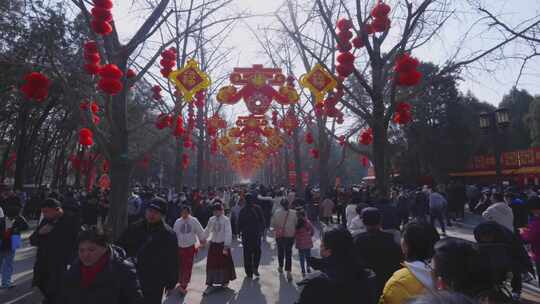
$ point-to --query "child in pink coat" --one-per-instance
(304, 242)
(531, 234)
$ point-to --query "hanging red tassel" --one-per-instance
(86, 137)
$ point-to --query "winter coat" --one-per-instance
(379, 252)
(55, 251)
(357, 226)
(154, 249)
(420, 206)
(327, 208)
(251, 222)
(409, 282)
(343, 282)
(19, 224)
(500, 213)
(532, 236)
(304, 234)
(117, 283)
(281, 220)
(390, 219)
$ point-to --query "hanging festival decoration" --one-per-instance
(257, 88)
(345, 58)
(92, 58)
(309, 138)
(406, 70)
(402, 115)
(215, 123)
(366, 137)
(314, 153)
(168, 61)
(342, 140)
(102, 17)
(200, 98)
(319, 81)
(110, 79)
(130, 74)
(164, 121)
(185, 160)
(36, 86)
(381, 23)
(105, 166)
(179, 126)
(156, 93)
(86, 137)
(289, 123)
(190, 80)
(365, 161)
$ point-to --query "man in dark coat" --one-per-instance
(251, 225)
(377, 249)
(153, 246)
(55, 239)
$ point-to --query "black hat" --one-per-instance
(371, 216)
(51, 203)
(217, 206)
(158, 204)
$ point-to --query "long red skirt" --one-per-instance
(219, 267)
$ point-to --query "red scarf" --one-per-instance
(89, 273)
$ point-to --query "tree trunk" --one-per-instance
(20, 164)
(297, 165)
(323, 159)
(379, 157)
(120, 173)
(179, 169)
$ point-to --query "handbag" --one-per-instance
(280, 232)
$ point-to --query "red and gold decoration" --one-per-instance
(36, 86)
(190, 80)
(289, 123)
(257, 89)
(319, 81)
(215, 123)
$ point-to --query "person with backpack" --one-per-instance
(303, 240)
(153, 246)
(284, 224)
(251, 226)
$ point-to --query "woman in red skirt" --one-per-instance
(219, 266)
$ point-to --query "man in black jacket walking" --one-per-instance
(153, 246)
(55, 239)
(251, 225)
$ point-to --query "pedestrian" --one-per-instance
(238, 204)
(437, 207)
(415, 278)
(390, 218)
(357, 224)
(420, 206)
(134, 208)
(219, 264)
(327, 210)
(531, 234)
(153, 245)
(284, 224)
(350, 212)
(519, 210)
(493, 234)
(101, 274)
(188, 232)
(403, 206)
(303, 240)
(377, 249)
(500, 212)
(13, 224)
(55, 239)
(484, 202)
(342, 278)
(251, 226)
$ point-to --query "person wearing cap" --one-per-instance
(153, 246)
(188, 232)
(251, 225)
(377, 249)
(531, 234)
(219, 264)
(55, 239)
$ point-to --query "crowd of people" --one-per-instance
(373, 248)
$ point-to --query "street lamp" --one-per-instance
(495, 123)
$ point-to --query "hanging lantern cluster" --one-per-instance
(110, 79)
(403, 115)
(380, 23)
(366, 137)
(86, 137)
(407, 73)
(179, 126)
(36, 86)
(102, 17)
(164, 121)
(289, 123)
(91, 57)
(345, 57)
(168, 61)
(257, 89)
(190, 80)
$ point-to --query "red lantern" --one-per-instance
(406, 69)
(358, 42)
(131, 74)
(309, 138)
(365, 161)
(402, 115)
(314, 153)
(102, 17)
(36, 86)
(366, 138)
(86, 137)
(156, 92)
(381, 10)
(94, 107)
(110, 79)
(164, 121)
(344, 24)
(168, 61)
(179, 127)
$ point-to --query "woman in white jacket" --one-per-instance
(219, 265)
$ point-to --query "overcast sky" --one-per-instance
(488, 86)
